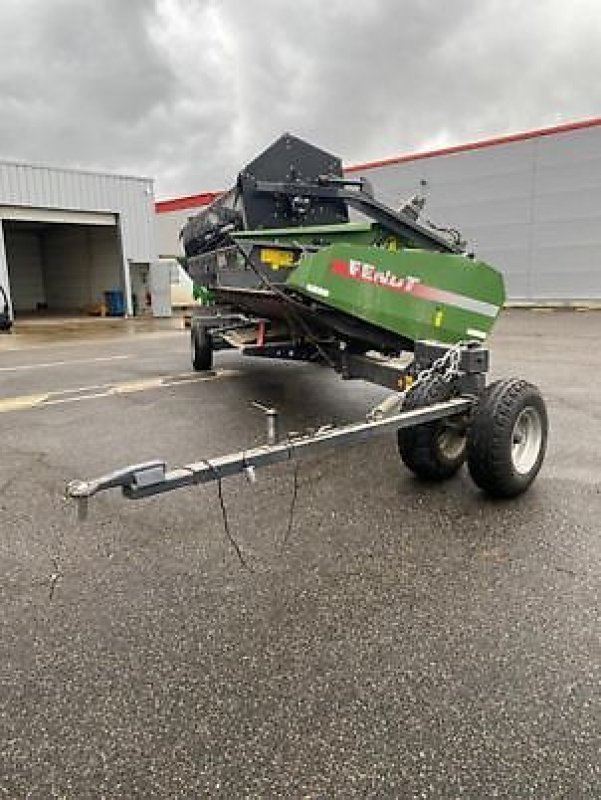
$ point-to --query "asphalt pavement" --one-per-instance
(383, 639)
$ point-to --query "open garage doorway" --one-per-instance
(57, 267)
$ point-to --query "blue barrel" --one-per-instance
(115, 303)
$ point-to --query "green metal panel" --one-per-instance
(350, 232)
(418, 294)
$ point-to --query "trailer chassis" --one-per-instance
(447, 400)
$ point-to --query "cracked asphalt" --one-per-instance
(405, 641)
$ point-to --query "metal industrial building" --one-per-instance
(529, 203)
(68, 236)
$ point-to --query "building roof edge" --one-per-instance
(479, 144)
(190, 201)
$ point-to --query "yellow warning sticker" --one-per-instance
(277, 258)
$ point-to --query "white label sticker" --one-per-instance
(320, 291)
(476, 333)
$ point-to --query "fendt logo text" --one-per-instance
(368, 273)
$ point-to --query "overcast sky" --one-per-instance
(186, 91)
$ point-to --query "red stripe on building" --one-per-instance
(479, 145)
(189, 201)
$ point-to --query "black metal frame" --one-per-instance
(330, 189)
(473, 364)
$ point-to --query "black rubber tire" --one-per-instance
(492, 438)
(202, 349)
(422, 447)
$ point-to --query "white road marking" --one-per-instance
(62, 400)
(54, 398)
(65, 363)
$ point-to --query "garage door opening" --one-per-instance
(59, 268)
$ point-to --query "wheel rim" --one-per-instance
(451, 443)
(526, 440)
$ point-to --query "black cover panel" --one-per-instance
(287, 160)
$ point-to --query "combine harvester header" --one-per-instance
(391, 299)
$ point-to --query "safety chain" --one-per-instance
(446, 367)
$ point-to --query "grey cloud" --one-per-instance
(78, 77)
(187, 90)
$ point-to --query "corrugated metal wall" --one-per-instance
(46, 187)
(530, 207)
(130, 198)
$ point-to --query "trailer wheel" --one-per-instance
(507, 439)
(202, 348)
(435, 450)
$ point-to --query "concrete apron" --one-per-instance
(33, 330)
